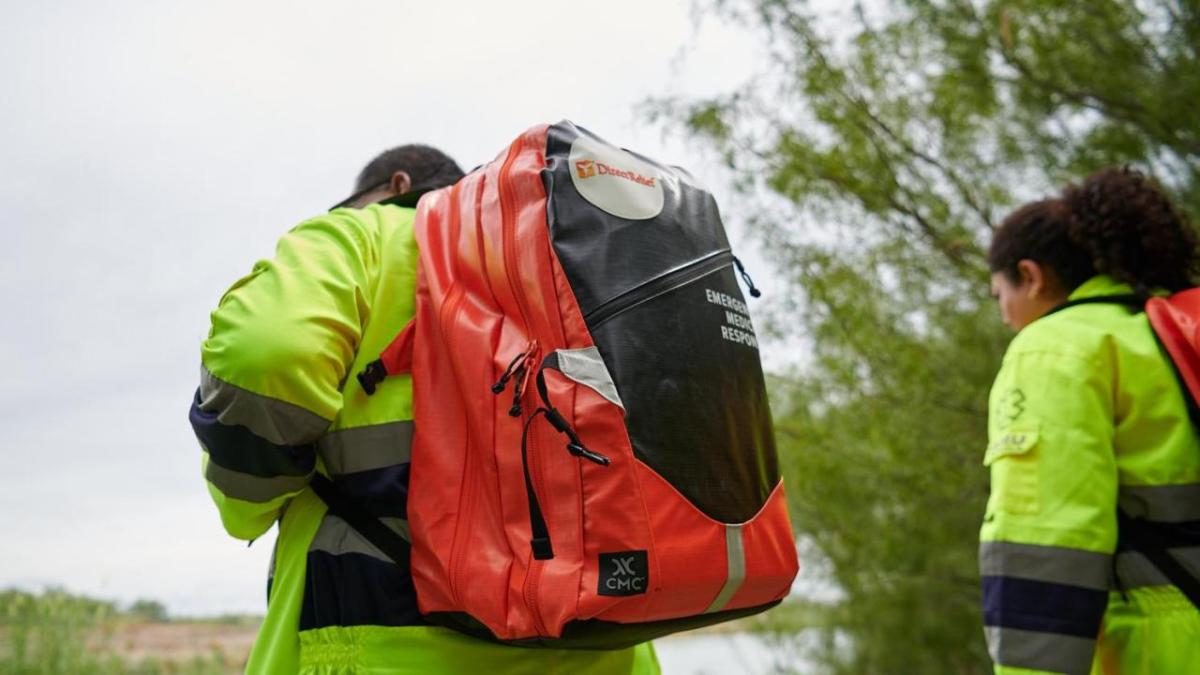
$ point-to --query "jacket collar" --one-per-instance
(1099, 285)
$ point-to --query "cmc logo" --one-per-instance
(624, 578)
(623, 573)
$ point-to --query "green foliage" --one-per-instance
(46, 634)
(873, 158)
(148, 610)
(56, 633)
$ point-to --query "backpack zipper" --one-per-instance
(663, 283)
(507, 199)
(446, 316)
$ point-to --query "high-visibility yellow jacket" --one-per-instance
(1086, 414)
(278, 400)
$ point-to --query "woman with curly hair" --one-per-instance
(1088, 427)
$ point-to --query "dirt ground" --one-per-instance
(178, 641)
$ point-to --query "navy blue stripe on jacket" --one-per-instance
(236, 448)
(1045, 607)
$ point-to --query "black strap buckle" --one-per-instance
(372, 375)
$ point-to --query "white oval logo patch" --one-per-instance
(615, 181)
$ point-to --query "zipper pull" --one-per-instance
(508, 373)
(521, 379)
(518, 388)
(754, 292)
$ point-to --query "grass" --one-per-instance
(57, 633)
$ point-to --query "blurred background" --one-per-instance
(861, 152)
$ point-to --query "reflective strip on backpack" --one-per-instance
(586, 367)
(735, 555)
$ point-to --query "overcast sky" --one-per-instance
(150, 152)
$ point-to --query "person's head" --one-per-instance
(1117, 222)
(403, 169)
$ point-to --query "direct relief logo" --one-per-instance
(617, 181)
(624, 573)
(586, 168)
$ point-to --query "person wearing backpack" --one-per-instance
(278, 405)
(1090, 545)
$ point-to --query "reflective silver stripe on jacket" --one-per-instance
(1051, 564)
(248, 488)
(335, 536)
(1161, 503)
(1040, 651)
(365, 448)
(277, 421)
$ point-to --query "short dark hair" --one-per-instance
(1117, 222)
(428, 167)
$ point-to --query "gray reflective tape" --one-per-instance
(586, 367)
(399, 525)
(1161, 503)
(250, 488)
(335, 536)
(735, 555)
(365, 448)
(1135, 570)
(1052, 564)
(277, 421)
(1040, 651)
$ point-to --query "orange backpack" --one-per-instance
(593, 463)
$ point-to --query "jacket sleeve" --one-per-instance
(1050, 527)
(281, 342)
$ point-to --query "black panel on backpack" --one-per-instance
(663, 305)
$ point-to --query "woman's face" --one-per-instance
(1028, 298)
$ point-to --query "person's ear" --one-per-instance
(1032, 278)
(400, 183)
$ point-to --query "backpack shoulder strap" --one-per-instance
(384, 538)
(1154, 540)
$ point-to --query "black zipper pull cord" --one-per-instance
(754, 292)
(574, 445)
(539, 532)
(499, 386)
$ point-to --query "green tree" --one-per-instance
(148, 610)
(873, 157)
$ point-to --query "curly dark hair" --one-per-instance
(1117, 222)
